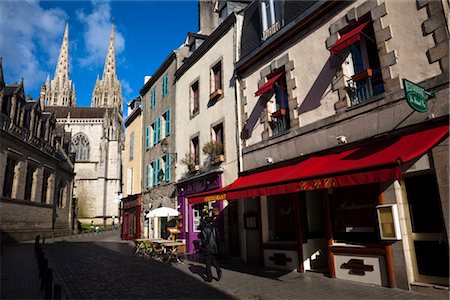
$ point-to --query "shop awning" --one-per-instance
(375, 162)
(268, 85)
(348, 38)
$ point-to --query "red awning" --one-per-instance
(348, 38)
(375, 162)
(268, 85)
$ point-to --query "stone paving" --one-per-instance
(103, 267)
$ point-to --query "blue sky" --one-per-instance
(31, 33)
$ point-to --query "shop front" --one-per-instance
(131, 217)
(345, 212)
(193, 214)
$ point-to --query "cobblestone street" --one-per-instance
(103, 267)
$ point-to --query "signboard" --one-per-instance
(416, 96)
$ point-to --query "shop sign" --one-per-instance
(317, 184)
(416, 96)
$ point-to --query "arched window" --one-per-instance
(80, 146)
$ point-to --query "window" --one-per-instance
(216, 81)
(153, 98)
(156, 180)
(165, 85)
(278, 106)
(166, 122)
(194, 97)
(362, 67)
(29, 181)
(156, 129)
(80, 146)
(147, 137)
(61, 194)
(44, 191)
(195, 150)
(9, 177)
(281, 221)
(218, 135)
(270, 16)
(131, 146)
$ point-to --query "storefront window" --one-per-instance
(281, 218)
(354, 215)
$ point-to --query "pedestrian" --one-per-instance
(210, 248)
(91, 227)
(113, 225)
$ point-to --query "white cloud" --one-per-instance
(127, 91)
(97, 29)
(30, 38)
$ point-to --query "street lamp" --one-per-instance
(164, 148)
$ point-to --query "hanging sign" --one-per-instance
(416, 96)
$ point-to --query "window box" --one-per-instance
(279, 113)
(362, 75)
(194, 168)
(216, 95)
(218, 159)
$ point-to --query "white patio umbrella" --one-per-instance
(163, 212)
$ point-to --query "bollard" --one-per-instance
(48, 284)
(36, 242)
(56, 291)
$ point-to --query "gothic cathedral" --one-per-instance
(97, 135)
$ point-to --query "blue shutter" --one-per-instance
(158, 180)
(147, 173)
(165, 84)
(167, 122)
(147, 137)
(153, 98)
(154, 133)
(153, 173)
(158, 130)
(167, 170)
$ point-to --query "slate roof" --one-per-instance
(77, 112)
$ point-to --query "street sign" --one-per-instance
(416, 96)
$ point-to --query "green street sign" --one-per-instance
(416, 96)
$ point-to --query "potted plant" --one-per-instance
(189, 161)
(214, 150)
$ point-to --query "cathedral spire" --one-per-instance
(107, 91)
(60, 91)
(109, 69)
(62, 67)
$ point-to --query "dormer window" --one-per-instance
(270, 17)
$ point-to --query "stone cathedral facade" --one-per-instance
(97, 135)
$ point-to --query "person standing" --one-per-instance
(210, 242)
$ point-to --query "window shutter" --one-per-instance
(154, 133)
(167, 122)
(158, 130)
(147, 174)
(147, 137)
(153, 173)
(158, 180)
(167, 171)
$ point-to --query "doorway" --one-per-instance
(233, 229)
(428, 229)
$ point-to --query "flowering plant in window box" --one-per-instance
(189, 161)
(214, 150)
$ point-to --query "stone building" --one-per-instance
(340, 174)
(97, 139)
(36, 174)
